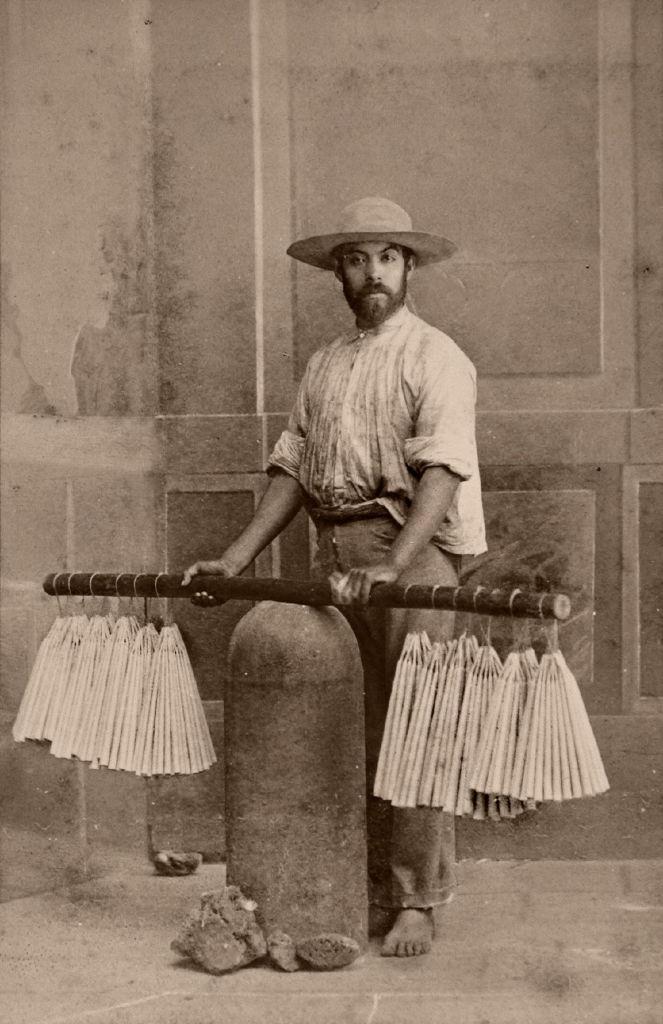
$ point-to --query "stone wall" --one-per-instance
(82, 472)
(161, 156)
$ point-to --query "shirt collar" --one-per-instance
(396, 320)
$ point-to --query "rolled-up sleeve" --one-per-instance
(289, 449)
(287, 454)
(444, 430)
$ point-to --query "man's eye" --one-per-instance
(389, 257)
(355, 261)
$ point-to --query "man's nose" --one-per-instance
(373, 270)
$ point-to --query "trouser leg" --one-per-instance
(411, 850)
(422, 838)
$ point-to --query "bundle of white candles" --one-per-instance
(416, 762)
(479, 684)
(494, 750)
(553, 754)
(116, 695)
(483, 739)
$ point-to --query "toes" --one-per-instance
(408, 938)
(407, 948)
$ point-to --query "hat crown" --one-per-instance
(374, 215)
(373, 218)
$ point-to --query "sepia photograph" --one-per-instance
(331, 460)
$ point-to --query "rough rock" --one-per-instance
(168, 862)
(223, 934)
(282, 952)
(328, 951)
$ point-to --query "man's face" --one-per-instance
(374, 276)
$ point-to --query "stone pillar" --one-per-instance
(295, 771)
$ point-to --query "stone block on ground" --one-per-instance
(328, 952)
(168, 862)
(222, 934)
(282, 951)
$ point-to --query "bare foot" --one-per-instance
(411, 935)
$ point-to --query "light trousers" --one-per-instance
(410, 850)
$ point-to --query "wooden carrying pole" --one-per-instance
(518, 603)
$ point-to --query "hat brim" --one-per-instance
(318, 250)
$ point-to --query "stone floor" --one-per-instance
(523, 943)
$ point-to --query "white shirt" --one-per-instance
(375, 409)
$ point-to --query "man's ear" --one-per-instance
(337, 274)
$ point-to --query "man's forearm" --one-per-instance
(432, 499)
(280, 503)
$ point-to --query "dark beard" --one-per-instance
(369, 310)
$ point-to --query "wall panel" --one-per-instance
(648, 118)
(650, 542)
(543, 540)
(557, 527)
(642, 618)
(77, 323)
(487, 134)
(203, 515)
(203, 206)
(212, 444)
(504, 128)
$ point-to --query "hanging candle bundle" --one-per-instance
(411, 761)
(557, 757)
(41, 704)
(103, 687)
(131, 694)
(446, 656)
(493, 765)
(415, 652)
(75, 696)
(479, 685)
(173, 737)
(116, 695)
(31, 718)
(97, 727)
(63, 665)
(415, 756)
(477, 738)
(462, 653)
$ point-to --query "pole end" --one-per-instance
(561, 607)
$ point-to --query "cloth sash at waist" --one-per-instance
(370, 510)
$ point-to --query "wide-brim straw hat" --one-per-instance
(372, 219)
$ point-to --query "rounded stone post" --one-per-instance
(295, 770)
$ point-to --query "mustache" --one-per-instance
(374, 289)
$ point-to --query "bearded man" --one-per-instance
(380, 449)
